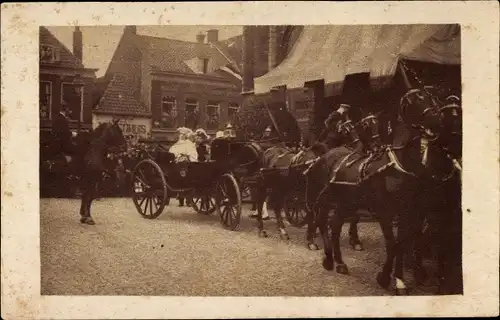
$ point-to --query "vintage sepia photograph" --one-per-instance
(250, 159)
(293, 160)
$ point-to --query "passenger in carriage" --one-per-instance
(184, 148)
(202, 145)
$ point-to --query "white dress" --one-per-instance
(184, 149)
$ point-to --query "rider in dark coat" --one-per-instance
(330, 134)
(61, 133)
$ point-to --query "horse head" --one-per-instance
(451, 131)
(369, 129)
(115, 137)
(419, 109)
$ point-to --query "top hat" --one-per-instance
(356, 86)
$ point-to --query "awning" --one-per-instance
(332, 52)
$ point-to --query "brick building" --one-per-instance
(156, 84)
(64, 80)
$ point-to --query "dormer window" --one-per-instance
(49, 53)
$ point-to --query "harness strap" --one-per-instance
(344, 160)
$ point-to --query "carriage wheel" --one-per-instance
(228, 201)
(203, 204)
(295, 210)
(149, 189)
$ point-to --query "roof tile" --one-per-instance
(118, 98)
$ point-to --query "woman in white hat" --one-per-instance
(184, 148)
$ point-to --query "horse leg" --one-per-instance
(402, 241)
(87, 195)
(419, 271)
(322, 223)
(260, 197)
(384, 277)
(336, 226)
(280, 199)
(311, 230)
(353, 233)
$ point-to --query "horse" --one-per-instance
(440, 199)
(93, 150)
(385, 182)
(359, 132)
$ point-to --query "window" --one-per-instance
(168, 112)
(72, 97)
(45, 99)
(232, 110)
(192, 114)
(213, 115)
(49, 54)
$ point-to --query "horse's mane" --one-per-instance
(99, 131)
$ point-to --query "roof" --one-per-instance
(332, 52)
(67, 58)
(119, 99)
(233, 48)
(168, 55)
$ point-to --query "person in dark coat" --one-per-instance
(202, 146)
(330, 134)
(61, 134)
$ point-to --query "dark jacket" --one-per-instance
(61, 134)
(330, 136)
(202, 150)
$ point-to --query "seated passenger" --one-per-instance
(202, 145)
(184, 149)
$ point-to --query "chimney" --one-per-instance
(247, 57)
(273, 47)
(130, 30)
(78, 43)
(200, 38)
(212, 35)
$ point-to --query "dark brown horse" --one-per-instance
(93, 150)
(387, 184)
(358, 132)
(440, 200)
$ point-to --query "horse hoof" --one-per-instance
(383, 280)
(402, 291)
(421, 276)
(87, 220)
(312, 246)
(342, 269)
(328, 264)
(263, 234)
(285, 237)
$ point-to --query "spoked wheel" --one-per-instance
(203, 204)
(228, 201)
(149, 189)
(295, 209)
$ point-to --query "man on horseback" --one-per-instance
(62, 135)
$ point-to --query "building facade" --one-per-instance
(64, 80)
(155, 85)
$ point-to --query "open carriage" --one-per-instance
(208, 186)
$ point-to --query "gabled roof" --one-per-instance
(233, 49)
(170, 55)
(119, 99)
(67, 58)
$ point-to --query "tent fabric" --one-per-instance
(332, 52)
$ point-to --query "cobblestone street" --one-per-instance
(184, 253)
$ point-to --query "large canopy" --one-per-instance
(332, 52)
